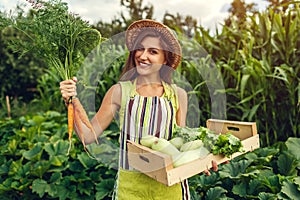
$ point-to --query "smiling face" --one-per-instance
(149, 57)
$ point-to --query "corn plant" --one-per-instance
(271, 79)
(260, 69)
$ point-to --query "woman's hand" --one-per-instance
(214, 167)
(68, 89)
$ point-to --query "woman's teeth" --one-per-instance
(144, 64)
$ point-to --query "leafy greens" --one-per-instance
(226, 144)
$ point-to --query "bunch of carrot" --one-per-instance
(65, 42)
(77, 116)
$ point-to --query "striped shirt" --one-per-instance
(141, 115)
(146, 116)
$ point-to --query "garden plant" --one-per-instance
(257, 57)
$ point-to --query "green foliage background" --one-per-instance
(255, 54)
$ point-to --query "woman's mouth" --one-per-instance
(142, 64)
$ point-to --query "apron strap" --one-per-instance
(126, 88)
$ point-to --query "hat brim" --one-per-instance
(139, 26)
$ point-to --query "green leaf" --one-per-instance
(290, 190)
(14, 167)
(23, 171)
(60, 191)
(240, 189)
(297, 181)
(287, 164)
(247, 99)
(37, 120)
(227, 144)
(215, 193)
(265, 155)
(271, 182)
(244, 81)
(106, 152)
(4, 168)
(6, 185)
(40, 168)
(58, 160)
(104, 188)
(34, 153)
(52, 114)
(60, 147)
(60, 38)
(56, 177)
(207, 181)
(293, 145)
(235, 170)
(267, 196)
(247, 189)
(253, 111)
(57, 152)
(65, 190)
(40, 187)
(254, 187)
(11, 147)
(86, 161)
(80, 177)
(76, 166)
(85, 187)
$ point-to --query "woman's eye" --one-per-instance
(140, 48)
(153, 51)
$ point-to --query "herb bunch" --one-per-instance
(62, 39)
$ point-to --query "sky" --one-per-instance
(209, 13)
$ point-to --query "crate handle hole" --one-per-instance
(232, 128)
(144, 158)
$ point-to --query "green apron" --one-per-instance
(133, 185)
(157, 116)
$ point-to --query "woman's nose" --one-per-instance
(144, 55)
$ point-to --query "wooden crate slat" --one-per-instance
(159, 166)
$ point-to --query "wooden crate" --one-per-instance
(159, 166)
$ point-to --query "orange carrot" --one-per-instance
(77, 123)
(77, 116)
(70, 124)
(82, 116)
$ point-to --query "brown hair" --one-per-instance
(129, 69)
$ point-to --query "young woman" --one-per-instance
(148, 104)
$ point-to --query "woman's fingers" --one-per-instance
(206, 172)
(214, 165)
(74, 79)
(214, 168)
(226, 162)
(68, 89)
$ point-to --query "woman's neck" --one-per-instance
(142, 80)
(149, 87)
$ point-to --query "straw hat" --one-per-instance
(140, 26)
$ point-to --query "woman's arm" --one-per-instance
(109, 106)
(182, 107)
(104, 116)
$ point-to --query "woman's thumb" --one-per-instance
(74, 79)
